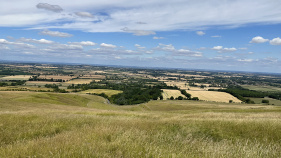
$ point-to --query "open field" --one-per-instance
(271, 101)
(181, 85)
(16, 77)
(167, 93)
(79, 81)
(262, 88)
(108, 92)
(25, 88)
(40, 83)
(78, 125)
(213, 96)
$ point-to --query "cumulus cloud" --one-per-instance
(17, 44)
(216, 36)
(84, 14)
(177, 52)
(139, 46)
(200, 33)
(3, 41)
(258, 39)
(41, 41)
(55, 33)
(139, 32)
(245, 60)
(104, 45)
(158, 37)
(221, 49)
(275, 41)
(157, 15)
(49, 7)
(83, 43)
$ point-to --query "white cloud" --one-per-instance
(17, 44)
(84, 14)
(221, 49)
(66, 47)
(104, 45)
(139, 46)
(177, 52)
(246, 60)
(216, 36)
(158, 37)
(275, 41)
(139, 32)
(200, 33)
(46, 6)
(83, 43)
(258, 39)
(55, 33)
(157, 15)
(41, 41)
(3, 41)
(217, 48)
(244, 48)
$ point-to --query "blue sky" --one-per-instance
(240, 35)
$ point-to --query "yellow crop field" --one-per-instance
(213, 96)
(80, 81)
(167, 93)
(16, 77)
(108, 92)
(181, 85)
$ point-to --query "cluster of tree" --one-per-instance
(188, 96)
(51, 86)
(13, 83)
(56, 88)
(136, 96)
(241, 92)
(13, 72)
(36, 78)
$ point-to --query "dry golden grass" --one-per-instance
(80, 125)
(16, 77)
(213, 96)
(79, 81)
(181, 85)
(167, 93)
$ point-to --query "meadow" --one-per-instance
(108, 92)
(37, 124)
(262, 88)
(16, 77)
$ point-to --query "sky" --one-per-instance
(231, 35)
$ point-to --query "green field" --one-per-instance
(79, 125)
(108, 92)
(262, 88)
(271, 101)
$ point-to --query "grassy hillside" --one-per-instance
(79, 125)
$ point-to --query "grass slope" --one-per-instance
(78, 125)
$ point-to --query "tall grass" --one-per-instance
(91, 128)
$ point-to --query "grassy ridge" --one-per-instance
(77, 125)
